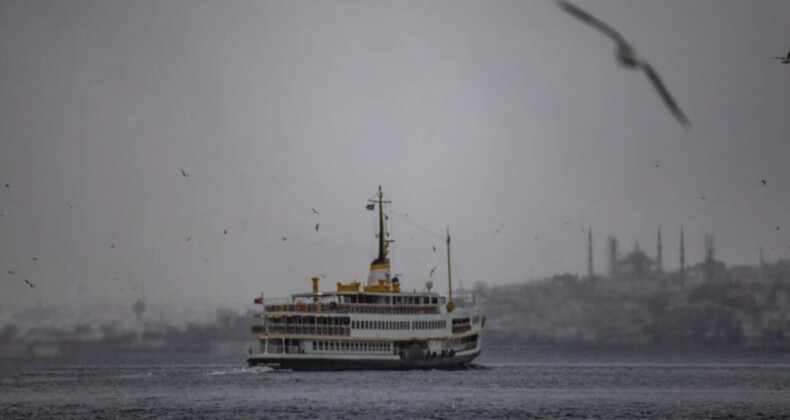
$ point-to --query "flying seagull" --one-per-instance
(225, 232)
(184, 174)
(35, 259)
(316, 227)
(315, 211)
(112, 246)
(764, 182)
(626, 56)
(434, 249)
(785, 60)
(11, 272)
(284, 238)
(6, 185)
(29, 284)
(432, 270)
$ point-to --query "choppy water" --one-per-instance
(504, 385)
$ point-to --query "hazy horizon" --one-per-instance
(480, 116)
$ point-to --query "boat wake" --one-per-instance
(240, 371)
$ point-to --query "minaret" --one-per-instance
(612, 249)
(710, 249)
(590, 271)
(682, 256)
(659, 256)
(762, 260)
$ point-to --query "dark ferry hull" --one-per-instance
(457, 362)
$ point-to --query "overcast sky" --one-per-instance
(481, 116)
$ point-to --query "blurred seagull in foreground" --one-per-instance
(626, 56)
(184, 174)
(785, 60)
(29, 284)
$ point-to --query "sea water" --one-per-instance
(507, 382)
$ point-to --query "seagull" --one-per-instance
(777, 228)
(657, 165)
(112, 246)
(315, 211)
(434, 249)
(7, 186)
(496, 231)
(70, 206)
(35, 259)
(316, 227)
(626, 56)
(432, 270)
(184, 174)
(704, 197)
(764, 182)
(785, 60)
(189, 238)
(29, 284)
(11, 272)
(284, 238)
(322, 275)
(225, 232)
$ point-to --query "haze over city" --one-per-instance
(510, 122)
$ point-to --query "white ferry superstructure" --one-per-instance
(375, 326)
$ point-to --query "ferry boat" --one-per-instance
(371, 326)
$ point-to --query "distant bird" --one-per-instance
(567, 223)
(315, 211)
(189, 238)
(116, 278)
(205, 259)
(432, 271)
(626, 56)
(11, 272)
(434, 249)
(184, 174)
(6, 185)
(29, 284)
(322, 276)
(35, 259)
(703, 198)
(764, 182)
(496, 231)
(316, 227)
(785, 60)
(112, 246)
(225, 232)
(777, 228)
(657, 165)
(284, 238)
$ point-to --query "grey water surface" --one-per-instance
(506, 383)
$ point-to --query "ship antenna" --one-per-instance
(382, 252)
(450, 304)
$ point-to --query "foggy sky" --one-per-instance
(481, 116)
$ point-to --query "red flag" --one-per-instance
(259, 301)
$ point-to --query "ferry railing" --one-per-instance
(327, 330)
(457, 329)
(355, 308)
(284, 349)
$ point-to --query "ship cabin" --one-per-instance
(380, 319)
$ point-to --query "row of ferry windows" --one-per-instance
(350, 346)
(398, 325)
